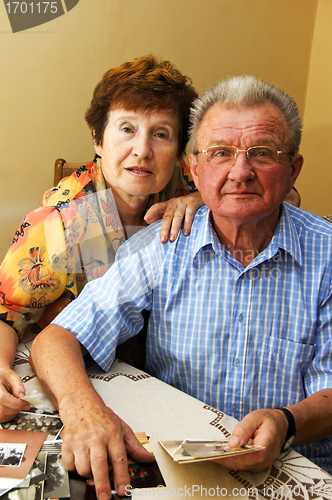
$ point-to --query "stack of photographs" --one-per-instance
(35, 435)
(29, 469)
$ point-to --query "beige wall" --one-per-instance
(48, 72)
(315, 182)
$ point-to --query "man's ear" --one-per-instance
(296, 166)
(193, 168)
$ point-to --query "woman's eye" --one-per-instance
(161, 135)
(127, 129)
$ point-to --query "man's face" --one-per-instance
(242, 192)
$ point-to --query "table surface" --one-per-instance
(164, 413)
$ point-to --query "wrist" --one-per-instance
(77, 401)
(291, 428)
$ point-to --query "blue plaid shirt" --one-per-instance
(236, 338)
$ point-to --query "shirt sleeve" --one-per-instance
(109, 310)
(319, 373)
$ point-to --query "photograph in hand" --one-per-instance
(191, 450)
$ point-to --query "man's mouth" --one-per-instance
(241, 193)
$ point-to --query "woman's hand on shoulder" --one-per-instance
(174, 212)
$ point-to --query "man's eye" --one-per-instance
(263, 153)
(221, 153)
(161, 135)
(127, 130)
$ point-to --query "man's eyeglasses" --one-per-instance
(258, 156)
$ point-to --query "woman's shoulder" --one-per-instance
(70, 187)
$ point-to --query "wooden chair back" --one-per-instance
(64, 169)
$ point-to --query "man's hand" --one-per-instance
(11, 389)
(174, 212)
(94, 435)
(266, 428)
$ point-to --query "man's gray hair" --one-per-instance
(247, 92)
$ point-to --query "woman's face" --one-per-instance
(139, 151)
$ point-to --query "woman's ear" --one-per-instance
(98, 147)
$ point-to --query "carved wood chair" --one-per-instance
(63, 169)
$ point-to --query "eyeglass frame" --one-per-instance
(243, 151)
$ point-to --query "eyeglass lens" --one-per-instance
(256, 155)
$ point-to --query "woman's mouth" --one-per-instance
(139, 170)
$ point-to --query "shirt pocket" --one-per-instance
(284, 365)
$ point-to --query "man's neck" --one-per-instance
(245, 240)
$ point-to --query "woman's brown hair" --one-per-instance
(146, 84)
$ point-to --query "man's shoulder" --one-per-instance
(148, 237)
(308, 222)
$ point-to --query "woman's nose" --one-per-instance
(241, 171)
(142, 146)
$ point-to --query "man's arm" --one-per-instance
(11, 386)
(92, 432)
(268, 428)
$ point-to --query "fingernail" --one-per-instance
(162, 238)
(172, 237)
(234, 441)
(103, 496)
(21, 394)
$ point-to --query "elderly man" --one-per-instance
(240, 310)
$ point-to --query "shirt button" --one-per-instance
(233, 408)
(236, 362)
(241, 318)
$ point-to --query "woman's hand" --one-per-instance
(11, 389)
(11, 386)
(174, 212)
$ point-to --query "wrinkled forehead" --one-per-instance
(232, 125)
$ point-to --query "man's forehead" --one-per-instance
(265, 120)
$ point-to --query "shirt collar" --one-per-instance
(206, 234)
(285, 236)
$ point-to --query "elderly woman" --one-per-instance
(138, 117)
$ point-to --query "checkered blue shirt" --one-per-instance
(236, 338)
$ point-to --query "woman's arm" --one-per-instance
(11, 386)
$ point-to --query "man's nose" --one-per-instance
(241, 170)
(142, 145)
